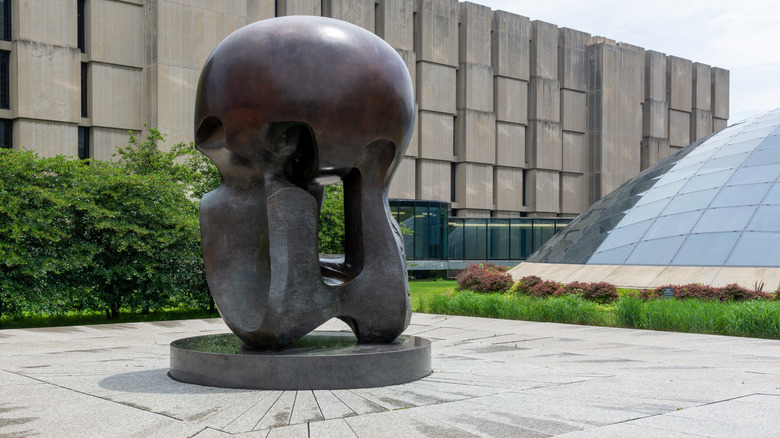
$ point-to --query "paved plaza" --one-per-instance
(491, 378)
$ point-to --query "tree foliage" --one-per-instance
(331, 231)
(79, 235)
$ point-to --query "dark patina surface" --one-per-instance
(283, 108)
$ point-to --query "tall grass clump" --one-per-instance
(759, 319)
(570, 309)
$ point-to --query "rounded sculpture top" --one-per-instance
(348, 85)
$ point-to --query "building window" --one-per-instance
(81, 26)
(5, 20)
(5, 87)
(6, 129)
(84, 112)
(83, 143)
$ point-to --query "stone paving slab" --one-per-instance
(491, 378)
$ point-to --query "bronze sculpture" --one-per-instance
(284, 107)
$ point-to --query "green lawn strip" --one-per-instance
(758, 319)
(91, 318)
(423, 290)
(420, 290)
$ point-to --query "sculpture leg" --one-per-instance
(374, 242)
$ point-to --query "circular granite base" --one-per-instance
(319, 360)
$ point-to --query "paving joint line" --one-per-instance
(94, 395)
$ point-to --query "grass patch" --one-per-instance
(92, 318)
(423, 291)
(757, 318)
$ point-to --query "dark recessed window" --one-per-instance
(5, 71)
(81, 25)
(84, 112)
(5, 20)
(83, 143)
(453, 196)
(6, 129)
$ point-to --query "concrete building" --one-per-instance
(515, 117)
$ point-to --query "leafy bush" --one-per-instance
(651, 294)
(735, 292)
(106, 235)
(331, 230)
(544, 289)
(600, 292)
(575, 287)
(524, 284)
(484, 277)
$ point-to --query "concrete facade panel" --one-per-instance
(511, 45)
(720, 93)
(701, 124)
(111, 36)
(474, 186)
(574, 110)
(475, 87)
(187, 35)
(542, 191)
(475, 139)
(298, 7)
(47, 80)
(702, 86)
(46, 22)
(115, 96)
(573, 59)
(395, 23)
(679, 82)
(402, 185)
(616, 91)
(435, 86)
(574, 152)
(436, 28)
(510, 144)
(410, 59)
(655, 75)
(176, 104)
(46, 138)
(544, 50)
(719, 124)
(260, 10)
(436, 136)
(104, 142)
(474, 34)
(357, 12)
(508, 189)
(432, 180)
(510, 100)
(544, 99)
(413, 149)
(654, 118)
(573, 197)
(543, 145)
(653, 151)
(679, 128)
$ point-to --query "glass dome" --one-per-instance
(713, 203)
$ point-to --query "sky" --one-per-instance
(740, 36)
